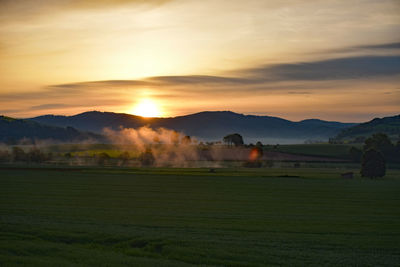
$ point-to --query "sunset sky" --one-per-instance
(329, 59)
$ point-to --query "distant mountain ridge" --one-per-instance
(387, 125)
(13, 130)
(207, 125)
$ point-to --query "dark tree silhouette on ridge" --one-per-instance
(235, 139)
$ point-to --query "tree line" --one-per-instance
(375, 153)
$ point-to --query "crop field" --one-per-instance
(181, 217)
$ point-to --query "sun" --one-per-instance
(146, 108)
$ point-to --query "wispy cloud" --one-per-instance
(363, 67)
(331, 69)
(395, 45)
(27, 8)
(48, 106)
(391, 48)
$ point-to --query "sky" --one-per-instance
(296, 59)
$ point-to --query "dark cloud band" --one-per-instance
(363, 67)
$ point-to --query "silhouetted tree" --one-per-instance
(102, 158)
(35, 155)
(379, 142)
(146, 158)
(124, 157)
(373, 164)
(186, 140)
(259, 144)
(18, 154)
(235, 139)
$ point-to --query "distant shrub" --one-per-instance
(186, 140)
(35, 155)
(18, 154)
(146, 158)
(382, 143)
(102, 158)
(124, 157)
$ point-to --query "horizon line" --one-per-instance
(189, 114)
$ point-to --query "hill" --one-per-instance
(13, 130)
(387, 125)
(207, 125)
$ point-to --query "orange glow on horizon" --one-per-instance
(147, 108)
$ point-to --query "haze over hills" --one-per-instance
(208, 125)
(387, 125)
(14, 130)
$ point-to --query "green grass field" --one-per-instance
(322, 150)
(182, 217)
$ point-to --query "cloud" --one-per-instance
(363, 67)
(198, 79)
(395, 45)
(48, 106)
(299, 93)
(392, 47)
(330, 69)
(26, 9)
(91, 84)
